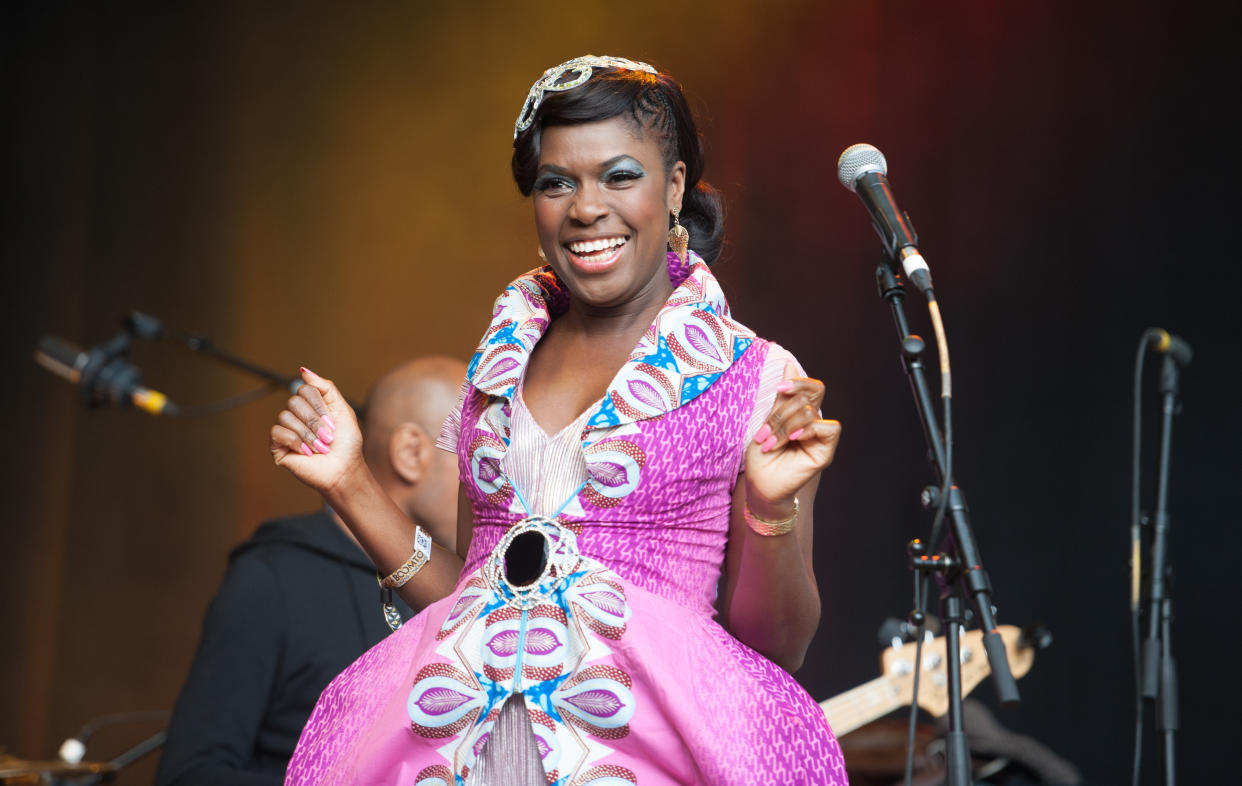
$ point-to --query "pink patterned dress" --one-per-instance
(624, 675)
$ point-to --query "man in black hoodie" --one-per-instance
(300, 601)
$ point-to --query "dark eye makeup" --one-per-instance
(621, 172)
(618, 171)
(552, 182)
(622, 176)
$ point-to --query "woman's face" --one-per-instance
(602, 200)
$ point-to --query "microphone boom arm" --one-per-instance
(105, 376)
(197, 343)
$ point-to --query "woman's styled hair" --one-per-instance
(655, 103)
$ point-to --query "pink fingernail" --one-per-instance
(326, 434)
(768, 444)
(331, 423)
(306, 450)
(785, 386)
(796, 434)
(763, 433)
(322, 448)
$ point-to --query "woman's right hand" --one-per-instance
(316, 436)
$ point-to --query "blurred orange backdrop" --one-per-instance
(328, 185)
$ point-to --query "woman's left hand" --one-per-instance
(794, 444)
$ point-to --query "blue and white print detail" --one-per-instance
(549, 656)
(692, 341)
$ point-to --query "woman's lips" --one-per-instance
(597, 262)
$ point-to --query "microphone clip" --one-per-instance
(108, 378)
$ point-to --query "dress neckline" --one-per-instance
(692, 341)
(578, 423)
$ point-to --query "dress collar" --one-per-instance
(692, 341)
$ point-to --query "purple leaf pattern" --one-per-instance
(463, 603)
(697, 337)
(502, 366)
(647, 394)
(541, 641)
(600, 703)
(504, 643)
(609, 473)
(489, 469)
(599, 700)
(437, 701)
(608, 601)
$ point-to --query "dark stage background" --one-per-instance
(328, 185)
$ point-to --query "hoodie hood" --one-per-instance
(317, 533)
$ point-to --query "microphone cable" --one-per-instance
(232, 402)
(946, 399)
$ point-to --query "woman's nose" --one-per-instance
(588, 205)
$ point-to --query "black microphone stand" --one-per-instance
(1159, 670)
(150, 328)
(958, 566)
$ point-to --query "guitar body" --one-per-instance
(875, 754)
(875, 747)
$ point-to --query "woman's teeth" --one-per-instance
(603, 246)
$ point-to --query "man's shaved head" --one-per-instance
(421, 391)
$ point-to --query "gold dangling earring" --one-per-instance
(678, 237)
(541, 255)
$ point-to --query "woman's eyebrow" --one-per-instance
(559, 170)
(618, 159)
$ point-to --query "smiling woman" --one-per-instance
(653, 107)
(603, 194)
(622, 443)
(602, 201)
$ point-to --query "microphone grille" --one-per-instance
(858, 160)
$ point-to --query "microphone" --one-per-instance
(863, 169)
(73, 749)
(1166, 343)
(103, 374)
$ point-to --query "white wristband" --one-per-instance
(416, 562)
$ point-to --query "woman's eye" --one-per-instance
(546, 185)
(622, 176)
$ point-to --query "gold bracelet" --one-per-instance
(416, 562)
(769, 528)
